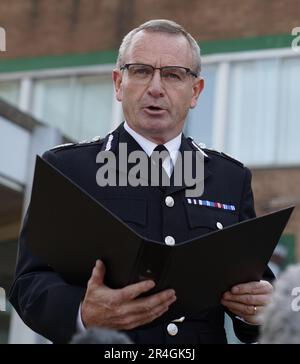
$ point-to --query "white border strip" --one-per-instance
(250, 55)
(59, 72)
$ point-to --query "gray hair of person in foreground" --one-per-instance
(96, 335)
(161, 26)
(281, 318)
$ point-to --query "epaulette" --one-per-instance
(224, 155)
(74, 145)
(199, 146)
(62, 146)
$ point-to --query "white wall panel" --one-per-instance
(14, 146)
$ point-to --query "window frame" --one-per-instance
(223, 64)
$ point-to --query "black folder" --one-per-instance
(69, 230)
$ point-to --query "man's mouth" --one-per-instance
(154, 110)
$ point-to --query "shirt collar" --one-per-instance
(172, 145)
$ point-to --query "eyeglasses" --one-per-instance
(143, 73)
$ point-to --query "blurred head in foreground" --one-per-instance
(96, 335)
(281, 318)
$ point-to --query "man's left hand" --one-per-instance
(248, 300)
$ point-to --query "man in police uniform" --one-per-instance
(157, 80)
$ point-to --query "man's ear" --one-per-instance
(117, 79)
(197, 89)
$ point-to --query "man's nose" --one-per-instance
(155, 87)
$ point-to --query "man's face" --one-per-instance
(157, 109)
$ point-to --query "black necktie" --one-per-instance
(160, 148)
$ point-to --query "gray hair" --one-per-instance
(97, 335)
(161, 26)
(281, 319)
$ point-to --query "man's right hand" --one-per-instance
(121, 309)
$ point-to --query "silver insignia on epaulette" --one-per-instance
(96, 138)
(93, 140)
(202, 145)
(62, 145)
(108, 144)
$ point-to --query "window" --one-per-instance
(10, 92)
(251, 133)
(262, 126)
(288, 112)
(81, 107)
(249, 107)
(200, 119)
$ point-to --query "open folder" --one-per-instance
(68, 230)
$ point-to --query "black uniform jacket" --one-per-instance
(50, 306)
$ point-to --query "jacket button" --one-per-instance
(169, 201)
(172, 329)
(219, 225)
(169, 240)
